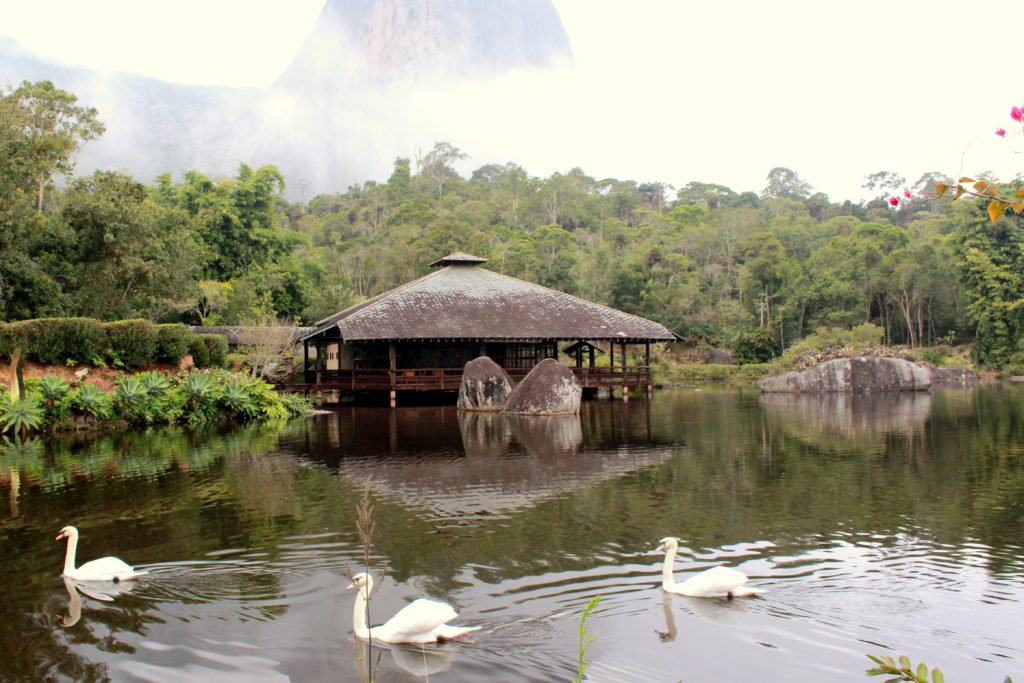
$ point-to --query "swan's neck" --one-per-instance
(69, 556)
(359, 614)
(666, 570)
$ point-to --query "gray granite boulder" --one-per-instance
(485, 386)
(952, 377)
(861, 374)
(549, 389)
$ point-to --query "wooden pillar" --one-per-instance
(305, 361)
(392, 363)
(611, 351)
(591, 356)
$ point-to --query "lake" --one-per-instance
(886, 524)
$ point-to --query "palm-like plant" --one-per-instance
(237, 401)
(155, 383)
(52, 389)
(131, 398)
(22, 417)
(89, 400)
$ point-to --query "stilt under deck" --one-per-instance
(448, 379)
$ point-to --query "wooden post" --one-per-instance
(625, 394)
(305, 361)
(394, 396)
(611, 361)
(392, 363)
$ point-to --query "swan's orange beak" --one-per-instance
(350, 586)
(60, 536)
(662, 546)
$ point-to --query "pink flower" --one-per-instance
(1017, 113)
(906, 193)
(1001, 132)
(895, 201)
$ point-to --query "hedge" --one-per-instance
(127, 343)
(217, 345)
(172, 343)
(55, 341)
(199, 350)
(132, 342)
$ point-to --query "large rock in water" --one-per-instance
(485, 386)
(549, 389)
(865, 373)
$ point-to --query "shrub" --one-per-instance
(759, 346)
(199, 350)
(172, 343)
(52, 341)
(133, 343)
(217, 345)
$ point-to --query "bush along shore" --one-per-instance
(203, 394)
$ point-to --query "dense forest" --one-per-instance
(713, 264)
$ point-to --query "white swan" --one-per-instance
(717, 582)
(103, 569)
(421, 621)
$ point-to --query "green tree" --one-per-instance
(43, 128)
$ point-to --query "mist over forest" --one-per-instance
(215, 205)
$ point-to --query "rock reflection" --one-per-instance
(850, 413)
(505, 463)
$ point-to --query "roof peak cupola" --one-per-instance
(459, 259)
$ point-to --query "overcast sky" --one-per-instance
(661, 90)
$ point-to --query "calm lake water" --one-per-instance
(888, 524)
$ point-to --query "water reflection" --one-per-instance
(878, 526)
(850, 413)
(504, 463)
(422, 661)
(104, 591)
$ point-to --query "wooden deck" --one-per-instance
(445, 379)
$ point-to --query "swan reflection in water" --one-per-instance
(422, 661)
(104, 592)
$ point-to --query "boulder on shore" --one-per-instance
(549, 389)
(861, 374)
(485, 386)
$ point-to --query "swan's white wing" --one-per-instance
(715, 582)
(105, 569)
(415, 623)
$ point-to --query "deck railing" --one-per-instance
(442, 379)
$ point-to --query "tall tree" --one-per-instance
(43, 129)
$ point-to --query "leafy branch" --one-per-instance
(585, 638)
(905, 671)
(984, 189)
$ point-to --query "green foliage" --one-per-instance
(904, 670)
(133, 343)
(216, 349)
(199, 350)
(90, 400)
(172, 343)
(238, 402)
(52, 341)
(933, 355)
(25, 416)
(858, 339)
(759, 346)
(131, 399)
(585, 638)
(53, 392)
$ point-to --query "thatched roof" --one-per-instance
(463, 301)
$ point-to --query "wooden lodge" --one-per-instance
(418, 337)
